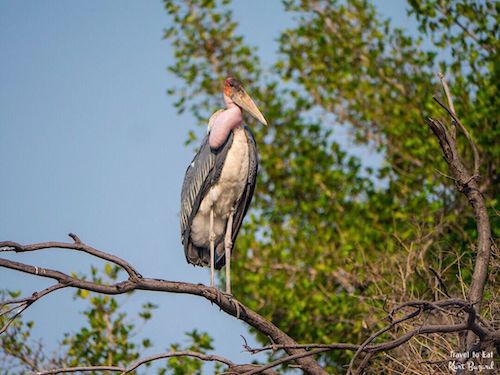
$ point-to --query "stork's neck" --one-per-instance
(224, 122)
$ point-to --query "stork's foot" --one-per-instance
(218, 294)
(227, 295)
(235, 302)
(237, 305)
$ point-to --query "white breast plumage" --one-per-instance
(225, 194)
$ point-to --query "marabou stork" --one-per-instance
(219, 184)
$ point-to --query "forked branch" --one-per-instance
(466, 182)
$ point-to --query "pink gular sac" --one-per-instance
(225, 121)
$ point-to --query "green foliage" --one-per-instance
(17, 351)
(200, 54)
(107, 337)
(199, 342)
(328, 241)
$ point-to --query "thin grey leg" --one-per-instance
(228, 244)
(212, 248)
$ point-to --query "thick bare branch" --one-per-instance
(466, 183)
(136, 282)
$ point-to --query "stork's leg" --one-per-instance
(228, 244)
(212, 248)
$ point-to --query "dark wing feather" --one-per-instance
(246, 197)
(203, 172)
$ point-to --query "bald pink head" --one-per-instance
(236, 99)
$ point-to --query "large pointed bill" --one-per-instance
(242, 99)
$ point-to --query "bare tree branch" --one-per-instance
(285, 360)
(330, 347)
(136, 282)
(23, 303)
(140, 362)
(9, 246)
(466, 183)
(475, 151)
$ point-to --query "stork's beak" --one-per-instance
(243, 100)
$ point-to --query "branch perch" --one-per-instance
(233, 368)
(136, 282)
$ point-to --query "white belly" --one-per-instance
(223, 196)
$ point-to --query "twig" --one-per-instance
(10, 320)
(441, 283)
(24, 303)
(421, 306)
(284, 360)
(364, 363)
(450, 103)
(446, 12)
(464, 130)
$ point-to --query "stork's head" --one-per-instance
(233, 89)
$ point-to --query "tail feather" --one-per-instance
(200, 256)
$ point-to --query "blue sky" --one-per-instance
(91, 144)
